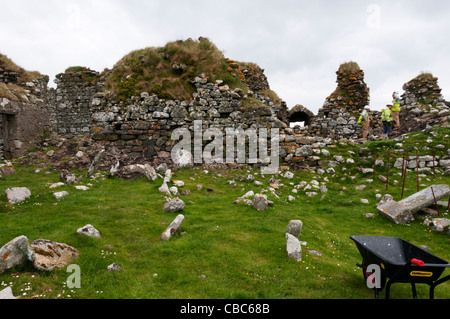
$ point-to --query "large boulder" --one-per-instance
(15, 253)
(17, 195)
(396, 212)
(49, 255)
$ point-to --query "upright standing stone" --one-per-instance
(293, 247)
(294, 228)
(95, 162)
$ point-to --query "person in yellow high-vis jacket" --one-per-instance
(386, 118)
(396, 110)
(364, 120)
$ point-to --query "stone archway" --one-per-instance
(301, 116)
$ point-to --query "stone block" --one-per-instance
(396, 212)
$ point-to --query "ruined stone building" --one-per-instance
(139, 125)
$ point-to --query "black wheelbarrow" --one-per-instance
(388, 260)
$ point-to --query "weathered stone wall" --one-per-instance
(335, 123)
(22, 122)
(143, 125)
(1, 139)
(422, 104)
(338, 116)
(69, 104)
(23, 125)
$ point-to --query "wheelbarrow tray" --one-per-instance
(394, 256)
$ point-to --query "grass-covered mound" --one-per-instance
(169, 71)
(14, 89)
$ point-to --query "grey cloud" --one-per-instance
(300, 44)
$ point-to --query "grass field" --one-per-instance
(223, 250)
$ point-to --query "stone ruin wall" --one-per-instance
(422, 104)
(141, 127)
(69, 104)
(22, 122)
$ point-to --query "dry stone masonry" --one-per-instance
(422, 104)
(69, 104)
(140, 128)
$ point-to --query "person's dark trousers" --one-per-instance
(387, 128)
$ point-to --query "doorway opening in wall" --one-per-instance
(7, 119)
(300, 116)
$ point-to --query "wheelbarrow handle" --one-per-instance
(417, 262)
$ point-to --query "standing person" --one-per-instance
(364, 119)
(396, 110)
(386, 118)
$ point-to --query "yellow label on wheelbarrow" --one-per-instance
(421, 273)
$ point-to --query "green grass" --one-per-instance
(222, 250)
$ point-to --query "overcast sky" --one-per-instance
(300, 44)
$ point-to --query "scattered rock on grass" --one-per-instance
(17, 195)
(49, 255)
(173, 227)
(441, 225)
(67, 178)
(82, 187)
(165, 189)
(57, 185)
(15, 253)
(260, 202)
(174, 205)
(293, 247)
(60, 195)
(95, 163)
(89, 231)
(295, 228)
(114, 267)
(7, 294)
(145, 169)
